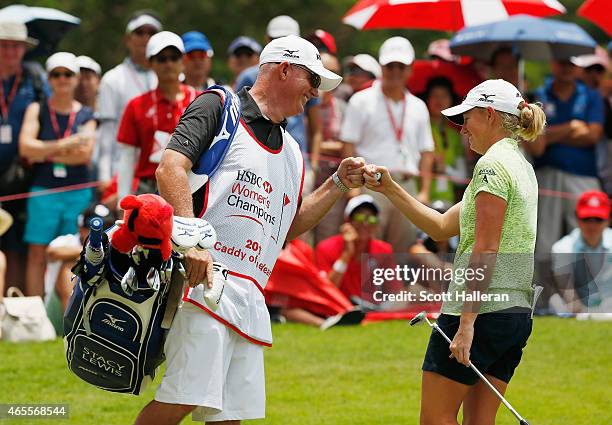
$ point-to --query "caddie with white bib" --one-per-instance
(231, 162)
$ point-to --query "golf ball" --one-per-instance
(377, 176)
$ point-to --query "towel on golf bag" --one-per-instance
(118, 314)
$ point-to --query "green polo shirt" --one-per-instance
(504, 172)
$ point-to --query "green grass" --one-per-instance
(357, 375)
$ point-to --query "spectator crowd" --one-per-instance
(85, 138)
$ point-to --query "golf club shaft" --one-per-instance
(481, 376)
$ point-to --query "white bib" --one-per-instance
(251, 201)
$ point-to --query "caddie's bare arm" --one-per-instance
(173, 186)
(317, 204)
(173, 183)
(438, 226)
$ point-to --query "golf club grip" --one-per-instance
(524, 422)
(95, 234)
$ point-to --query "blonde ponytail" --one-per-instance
(529, 125)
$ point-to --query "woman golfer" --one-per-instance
(496, 221)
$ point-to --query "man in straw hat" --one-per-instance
(21, 85)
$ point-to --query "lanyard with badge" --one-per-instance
(398, 128)
(59, 170)
(6, 132)
(134, 76)
(161, 138)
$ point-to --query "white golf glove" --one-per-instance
(192, 233)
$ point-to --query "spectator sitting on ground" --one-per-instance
(89, 82)
(6, 221)
(298, 292)
(129, 79)
(340, 256)
(64, 251)
(581, 259)
(150, 119)
(449, 154)
(58, 136)
(197, 61)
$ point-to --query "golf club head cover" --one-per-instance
(147, 222)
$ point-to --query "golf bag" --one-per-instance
(118, 317)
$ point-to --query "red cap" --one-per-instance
(328, 40)
(593, 203)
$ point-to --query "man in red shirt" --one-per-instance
(149, 119)
(340, 256)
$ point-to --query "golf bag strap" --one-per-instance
(174, 296)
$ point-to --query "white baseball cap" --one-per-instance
(294, 49)
(85, 62)
(600, 57)
(396, 49)
(141, 21)
(367, 63)
(282, 26)
(163, 39)
(62, 60)
(359, 201)
(498, 94)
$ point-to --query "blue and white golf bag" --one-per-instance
(118, 316)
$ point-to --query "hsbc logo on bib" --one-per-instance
(267, 187)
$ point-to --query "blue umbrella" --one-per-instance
(531, 38)
(46, 25)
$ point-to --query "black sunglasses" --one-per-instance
(57, 74)
(142, 32)
(396, 65)
(170, 57)
(315, 79)
(592, 220)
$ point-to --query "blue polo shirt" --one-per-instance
(23, 97)
(585, 104)
(295, 124)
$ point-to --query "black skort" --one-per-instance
(499, 339)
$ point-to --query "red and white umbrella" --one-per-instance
(444, 15)
(599, 12)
